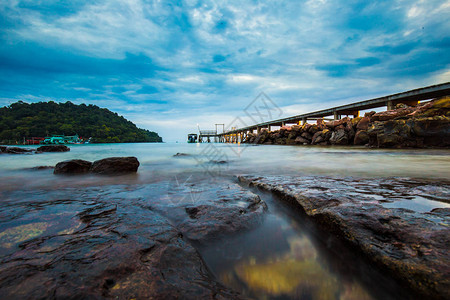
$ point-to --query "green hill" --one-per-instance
(20, 120)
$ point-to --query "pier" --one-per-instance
(410, 98)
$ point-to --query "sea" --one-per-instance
(266, 261)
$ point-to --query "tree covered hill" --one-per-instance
(20, 120)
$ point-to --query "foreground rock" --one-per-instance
(113, 242)
(74, 166)
(203, 210)
(107, 166)
(413, 246)
(115, 165)
(424, 125)
(53, 148)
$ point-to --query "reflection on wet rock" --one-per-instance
(289, 276)
(15, 235)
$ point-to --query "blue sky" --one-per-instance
(168, 65)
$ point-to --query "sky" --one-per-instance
(170, 65)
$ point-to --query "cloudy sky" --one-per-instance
(168, 65)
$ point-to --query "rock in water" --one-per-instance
(180, 154)
(115, 165)
(15, 150)
(54, 148)
(73, 166)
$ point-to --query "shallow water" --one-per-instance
(284, 257)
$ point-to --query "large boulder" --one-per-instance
(53, 148)
(339, 137)
(434, 130)
(301, 140)
(396, 134)
(115, 165)
(361, 137)
(73, 166)
(363, 124)
(306, 135)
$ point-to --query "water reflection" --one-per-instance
(279, 260)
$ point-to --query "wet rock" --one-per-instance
(204, 212)
(339, 137)
(355, 121)
(438, 107)
(53, 148)
(401, 105)
(411, 246)
(434, 130)
(316, 138)
(306, 135)
(301, 140)
(39, 168)
(115, 165)
(361, 137)
(218, 162)
(15, 150)
(99, 245)
(73, 166)
(336, 123)
(363, 124)
(313, 129)
(391, 114)
(180, 154)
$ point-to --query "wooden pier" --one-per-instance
(410, 98)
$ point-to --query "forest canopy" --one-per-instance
(21, 120)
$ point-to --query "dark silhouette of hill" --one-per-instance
(42, 119)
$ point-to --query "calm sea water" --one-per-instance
(157, 159)
(282, 258)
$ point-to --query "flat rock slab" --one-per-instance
(370, 214)
(202, 210)
(118, 242)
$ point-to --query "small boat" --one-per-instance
(192, 138)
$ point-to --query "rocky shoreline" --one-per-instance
(119, 242)
(421, 126)
(411, 246)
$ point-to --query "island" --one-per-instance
(22, 121)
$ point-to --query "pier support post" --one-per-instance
(390, 105)
(336, 116)
(304, 120)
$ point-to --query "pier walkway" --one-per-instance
(411, 98)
